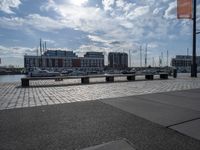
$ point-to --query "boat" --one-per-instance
(66, 72)
(77, 73)
(43, 73)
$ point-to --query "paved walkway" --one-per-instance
(68, 91)
(80, 125)
(144, 113)
(178, 110)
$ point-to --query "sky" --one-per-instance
(94, 25)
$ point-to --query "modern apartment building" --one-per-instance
(60, 60)
(183, 63)
(118, 60)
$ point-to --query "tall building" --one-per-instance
(183, 63)
(51, 59)
(118, 60)
(59, 60)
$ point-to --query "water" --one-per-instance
(11, 78)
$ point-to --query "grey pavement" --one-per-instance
(68, 91)
(113, 145)
(175, 110)
(190, 128)
(73, 116)
(84, 124)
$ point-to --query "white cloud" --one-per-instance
(43, 23)
(170, 13)
(107, 4)
(139, 11)
(7, 5)
(119, 21)
(11, 23)
(79, 2)
(34, 21)
(11, 55)
(157, 11)
(16, 51)
(97, 39)
(120, 3)
(125, 20)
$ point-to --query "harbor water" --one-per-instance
(11, 78)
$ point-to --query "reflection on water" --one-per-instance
(11, 78)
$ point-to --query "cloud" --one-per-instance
(115, 43)
(49, 41)
(170, 13)
(34, 21)
(7, 5)
(110, 25)
(16, 51)
(120, 20)
(97, 39)
(78, 2)
(107, 4)
(139, 11)
(43, 23)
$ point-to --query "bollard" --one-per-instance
(24, 82)
(109, 78)
(175, 73)
(85, 80)
(131, 77)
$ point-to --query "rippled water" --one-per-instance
(11, 78)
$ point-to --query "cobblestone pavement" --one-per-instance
(68, 91)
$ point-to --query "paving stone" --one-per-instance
(68, 91)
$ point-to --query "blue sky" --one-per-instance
(93, 25)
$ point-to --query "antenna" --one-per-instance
(167, 58)
(45, 45)
(43, 48)
(153, 65)
(161, 59)
(37, 51)
(140, 56)
(145, 56)
(40, 46)
(129, 58)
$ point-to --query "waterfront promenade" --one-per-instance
(68, 91)
(157, 114)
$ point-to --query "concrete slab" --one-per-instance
(180, 99)
(191, 128)
(163, 114)
(114, 145)
(194, 93)
(83, 124)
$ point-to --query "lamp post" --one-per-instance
(194, 65)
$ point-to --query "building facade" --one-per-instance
(92, 61)
(118, 60)
(59, 60)
(51, 59)
(183, 63)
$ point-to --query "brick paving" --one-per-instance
(68, 91)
